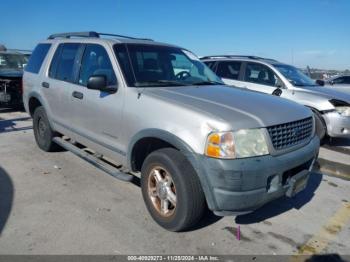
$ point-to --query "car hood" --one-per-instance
(11, 73)
(328, 92)
(237, 107)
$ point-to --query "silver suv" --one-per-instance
(155, 110)
(331, 107)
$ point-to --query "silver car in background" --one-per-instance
(330, 106)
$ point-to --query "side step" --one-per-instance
(97, 162)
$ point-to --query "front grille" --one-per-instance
(290, 134)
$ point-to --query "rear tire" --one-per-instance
(43, 132)
(167, 176)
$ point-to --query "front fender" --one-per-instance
(316, 101)
(183, 147)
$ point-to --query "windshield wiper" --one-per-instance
(160, 83)
(207, 83)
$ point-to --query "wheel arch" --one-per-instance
(154, 136)
(177, 143)
(34, 101)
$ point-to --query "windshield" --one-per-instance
(13, 61)
(151, 65)
(295, 76)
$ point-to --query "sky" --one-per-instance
(313, 33)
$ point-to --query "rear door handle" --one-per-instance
(45, 84)
(78, 95)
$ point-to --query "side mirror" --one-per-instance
(277, 92)
(320, 82)
(99, 82)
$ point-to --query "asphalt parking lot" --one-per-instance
(55, 203)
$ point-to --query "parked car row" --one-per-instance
(12, 62)
(160, 112)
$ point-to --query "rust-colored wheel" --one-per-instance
(171, 190)
(162, 191)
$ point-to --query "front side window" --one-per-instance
(150, 65)
(260, 74)
(295, 76)
(96, 62)
(37, 58)
(229, 70)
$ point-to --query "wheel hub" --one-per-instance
(41, 127)
(162, 192)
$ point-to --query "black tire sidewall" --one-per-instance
(44, 142)
(177, 221)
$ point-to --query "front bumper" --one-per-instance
(337, 125)
(242, 185)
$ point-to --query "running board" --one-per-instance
(97, 162)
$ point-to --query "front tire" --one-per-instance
(43, 132)
(171, 190)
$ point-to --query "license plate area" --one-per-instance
(297, 183)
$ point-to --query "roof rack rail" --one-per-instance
(92, 34)
(125, 36)
(74, 34)
(234, 56)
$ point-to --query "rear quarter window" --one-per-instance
(37, 58)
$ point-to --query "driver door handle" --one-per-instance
(78, 95)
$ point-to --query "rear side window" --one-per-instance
(55, 61)
(260, 74)
(64, 63)
(37, 58)
(229, 70)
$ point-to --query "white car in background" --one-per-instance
(330, 106)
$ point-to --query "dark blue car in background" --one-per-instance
(12, 63)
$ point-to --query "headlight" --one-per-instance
(343, 110)
(239, 144)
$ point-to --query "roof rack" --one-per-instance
(92, 34)
(237, 56)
